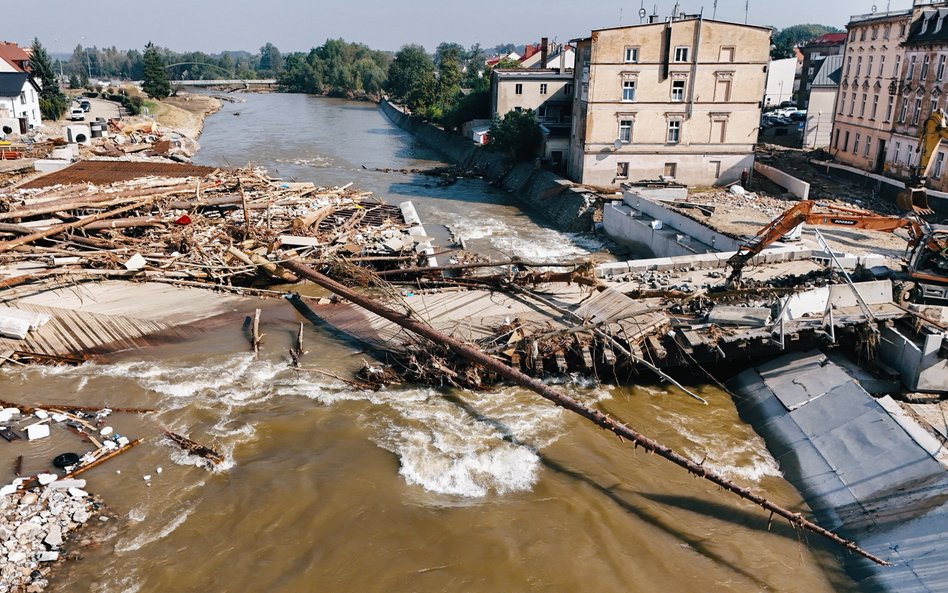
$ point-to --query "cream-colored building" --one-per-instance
(677, 98)
(921, 85)
(549, 93)
(866, 103)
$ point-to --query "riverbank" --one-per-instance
(568, 206)
(185, 112)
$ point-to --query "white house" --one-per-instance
(19, 99)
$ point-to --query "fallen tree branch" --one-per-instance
(602, 420)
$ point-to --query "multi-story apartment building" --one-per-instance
(549, 93)
(866, 102)
(814, 52)
(678, 98)
(919, 88)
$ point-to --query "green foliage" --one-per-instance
(785, 39)
(74, 82)
(475, 105)
(449, 79)
(508, 63)
(447, 50)
(52, 100)
(422, 93)
(154, 78)
(336, 68)
(411, 64)
(271, 60)
(517, 134)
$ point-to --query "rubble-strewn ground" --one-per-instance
(184, 113)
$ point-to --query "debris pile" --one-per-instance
(34, 526)
(226, 227)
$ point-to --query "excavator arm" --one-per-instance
(931, 133)
(835, 216)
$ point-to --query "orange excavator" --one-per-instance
(926, 272)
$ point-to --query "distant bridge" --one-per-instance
(227, 82)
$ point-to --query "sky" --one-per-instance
(298, 25)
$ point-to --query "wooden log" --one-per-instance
(600, 419)
(243, 202)
(103, 459)
(302, 223)
(59, 228)
(194, 448)
(94, 201)
(297, 353)
(255, 336)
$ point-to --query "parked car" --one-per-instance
(798, 116)
(85, 105)
(77, 114)
(785, 104)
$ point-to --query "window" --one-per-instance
(875, 107)
(678, 90)
(924, 74)
(858, 65)
(911, 68)
(718, 131)
(918, 111)
(846, 142)
(849, 65)
(809, 71)
(901, 29)
(934, 106)
(852, 35)
(670, 169)
(898, 65)
(885, 31)
(631, 55)
(862, 106)
(22, 97)
(541, 112)
(722, 90)
(940, 73)
(628, 90)
(852, 104)
(542, 88)
(862, 35)
(869, 67)
(904, 111)
(625, 130)
(881, 65)
(865, 151)
(518, 89)
(856, 144)
(727, 54)
(836, 141)
(898, 149)
(842, 104)
(681, 54)
(567, 89)
(939, 164)
(622, 170)
(875, 33)
(674, 131)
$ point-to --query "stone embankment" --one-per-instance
(568, 206)
(34, 526)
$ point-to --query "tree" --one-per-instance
(51, 99)
(447, 50)
(411, 64)
(271, 60)
(475, 62)
(784, 40)
(422, 96)
(74, 82)
(517, 134)
(154, 78)
(508, 63)
(449, 79)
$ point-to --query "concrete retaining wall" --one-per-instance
(797, 187)
(888, 188)
(639, 200)
(567, 206)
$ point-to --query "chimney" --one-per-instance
(563, 59)
(544, 51)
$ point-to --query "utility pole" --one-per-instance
(746, 10)
(714, 11)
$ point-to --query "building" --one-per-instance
(919, 89)
(19, 93)
(549, 93)
(818, 132)
(814, 52)
(557, 55)
(780, 80)
(677, 98)
(866, 103)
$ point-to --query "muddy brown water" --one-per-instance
(410, 488)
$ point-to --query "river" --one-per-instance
(409, 488)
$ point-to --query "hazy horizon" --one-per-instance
(213, 26)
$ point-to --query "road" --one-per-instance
(100, 108)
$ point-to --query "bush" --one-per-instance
(517, 134)
(476, 105)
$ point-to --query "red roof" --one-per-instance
(828, 39)
(530, 50)
(15, 55)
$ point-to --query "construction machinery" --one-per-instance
(914, 197)
(925, 275)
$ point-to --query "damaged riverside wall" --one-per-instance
(888, 188)
(560, 201)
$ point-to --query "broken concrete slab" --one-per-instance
(731, 315)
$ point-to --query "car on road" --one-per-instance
(85, 105)
(77, 114)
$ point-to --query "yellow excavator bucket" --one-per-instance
(914, 199)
